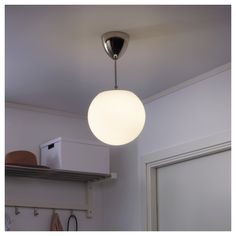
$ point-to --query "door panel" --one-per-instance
(195, 195)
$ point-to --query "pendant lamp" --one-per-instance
(117, 116)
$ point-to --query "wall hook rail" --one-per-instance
(87, 207)
(53, 208)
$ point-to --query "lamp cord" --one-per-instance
(116, 85)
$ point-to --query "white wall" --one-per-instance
(121, 203)
(194, 112)
(26, 130)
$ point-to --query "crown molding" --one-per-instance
(43, 110)
(147, 100)
(188, 82)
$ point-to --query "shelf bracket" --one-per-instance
(113, 176)
(89, 200)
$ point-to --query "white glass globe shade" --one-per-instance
(116, 117)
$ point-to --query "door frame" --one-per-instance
(188, 151)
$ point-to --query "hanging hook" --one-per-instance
(17, 212)
(35, 212)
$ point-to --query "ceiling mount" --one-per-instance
(115, 43)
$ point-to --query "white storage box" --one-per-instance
(76, 155)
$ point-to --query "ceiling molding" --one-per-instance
(187, 83)
(43, 110)
(168, 91)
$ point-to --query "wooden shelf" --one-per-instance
(44, 173)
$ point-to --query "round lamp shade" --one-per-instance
(116, 117)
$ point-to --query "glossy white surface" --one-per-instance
(116, 117)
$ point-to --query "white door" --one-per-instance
(195, 195)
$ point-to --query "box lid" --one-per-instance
(60, 139)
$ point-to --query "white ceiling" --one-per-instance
(55, 58)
